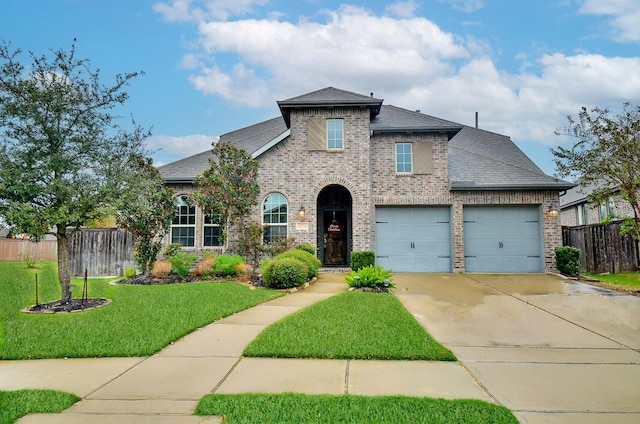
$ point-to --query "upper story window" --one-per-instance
(335, 134)
(274, 217)
(404, 158)
(183, 226)
(211, 232)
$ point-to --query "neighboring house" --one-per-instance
(346, 173)
(576, 209)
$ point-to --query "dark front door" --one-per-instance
(334, 226)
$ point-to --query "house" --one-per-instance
(576, 209)
(345, 172)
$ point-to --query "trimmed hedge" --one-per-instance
(362, 259)
(568, 260)
(312, 263)
(285, 273)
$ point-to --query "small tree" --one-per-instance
(606, 156)
(229, 188)
(146, 208)
(61, 150)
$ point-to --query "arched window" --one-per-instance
(274, 217)
(183, 226)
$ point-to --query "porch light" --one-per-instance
(301, 213)
(553, 209)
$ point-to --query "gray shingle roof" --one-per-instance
(329, 97)
(393, 118)
(483, 160)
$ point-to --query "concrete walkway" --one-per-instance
(166, 387)
(552, 351)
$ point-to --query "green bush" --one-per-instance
(374, 277)
(568, 260)
(307, 248)
(263, 263)
(312, 263)
(362, 259)
(181, 262)
(284, 273)
(130, 272)
(226, 265)
(171, 250)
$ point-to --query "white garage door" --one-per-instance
(414, 239)
(503, 239)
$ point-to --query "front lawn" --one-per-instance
(299, 408)
(140, 321)
(16, 404)
(350, 325)
(627, 279)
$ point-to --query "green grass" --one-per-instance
(299, 408)
(629, 279)
(16, 404)
(140, 321)
(351, 325)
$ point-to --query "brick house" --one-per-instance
(576, 209)
(346, 173)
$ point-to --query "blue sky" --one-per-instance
(212, 66)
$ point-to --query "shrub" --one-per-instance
(204, 268)
(312, 263)
(307, 248)
(568, 260)
(285, 273)
(225, 265)
(161, 269)
(130, 272)
(171, 250)
(279, 245)
(181, 262)
(263, 263)
(243, 271)
(362, 259)
(371, 276)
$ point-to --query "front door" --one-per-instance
(334, 226)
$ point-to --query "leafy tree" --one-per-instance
(606, 156)
(229, 188)
(61, 150)
(146, 208)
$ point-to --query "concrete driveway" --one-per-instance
(550, 350)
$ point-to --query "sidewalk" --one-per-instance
(166, 387)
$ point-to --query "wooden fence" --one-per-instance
(101, 251)
(602, 248)
(17, 250)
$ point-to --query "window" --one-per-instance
(607, 209)
(274, 217)
(404, 160)
(212, 232)
(334, 134)
(583, 214)
(183, 226)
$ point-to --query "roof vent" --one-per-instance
(476, 119)
(372, 94)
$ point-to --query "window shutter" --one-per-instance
(316, 134)
(423, 157)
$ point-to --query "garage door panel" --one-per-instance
(502, 239)
(414, 239)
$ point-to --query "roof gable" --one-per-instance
(329, 97)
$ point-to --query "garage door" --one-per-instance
(502, 239)
(414, 239)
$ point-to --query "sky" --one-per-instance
(213, 66)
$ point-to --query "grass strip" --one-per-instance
(140, 321)
(18, 403)
(627, 279)
(350, 325)
(300, 408)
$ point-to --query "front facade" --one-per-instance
(346, 173)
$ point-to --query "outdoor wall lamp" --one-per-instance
(553, 209)
(301, 212)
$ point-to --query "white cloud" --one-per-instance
(182, 10)
(403, 9)
(467, 6)
(179, 146)
(624, 16)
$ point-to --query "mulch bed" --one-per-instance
(74, 305)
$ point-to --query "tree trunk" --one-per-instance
(63, 264)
